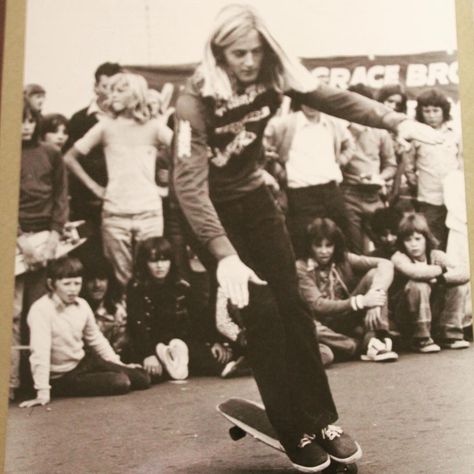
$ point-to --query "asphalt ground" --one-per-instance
(411, 417)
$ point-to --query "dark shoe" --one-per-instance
(425, 345)
(454, 344)
(339, 445)
(308, 456)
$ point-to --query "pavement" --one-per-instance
(415, 416)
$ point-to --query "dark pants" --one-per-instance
(361, 205)
(436, 218)
(305, 204)
(95, 376)
(281, 341)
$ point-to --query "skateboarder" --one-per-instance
(220, 119)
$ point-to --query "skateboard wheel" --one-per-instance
(236, 433)
(338, 468)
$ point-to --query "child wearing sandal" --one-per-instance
(429, 289)
(62, 325)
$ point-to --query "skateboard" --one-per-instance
(249, 417)
(69, 241)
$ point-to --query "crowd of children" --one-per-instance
(378, 227)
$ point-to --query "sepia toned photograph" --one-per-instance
(242, 241)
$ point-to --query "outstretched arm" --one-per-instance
(359, 109)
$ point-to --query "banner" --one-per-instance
(416, 72)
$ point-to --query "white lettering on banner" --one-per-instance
(453, 72)
(416, 75)
(378, 75)
(440, 73)
(392, 74)
(339, 77)
(359, 75)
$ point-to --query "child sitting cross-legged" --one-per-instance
(62, 325)
(429, 289)
(346, 292)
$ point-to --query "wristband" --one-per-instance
(360, 302)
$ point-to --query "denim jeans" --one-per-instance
(360, 205)
(95, 376)
(281, 342)
(421, 306)
(436, 218)
(305, 204)
(120, 234)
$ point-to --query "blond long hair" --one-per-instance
(139, 89)
(279, 70)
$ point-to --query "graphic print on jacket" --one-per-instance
(233, 144)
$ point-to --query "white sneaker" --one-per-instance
(378, 351)
(175, 358)
(455, 344)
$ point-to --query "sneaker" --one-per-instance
(236, 368)
(425, 345)
(339, 445)
(378, 351)
(454, 344)
(308, 456)
(175, 358)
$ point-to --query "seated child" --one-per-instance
(104, 296)
(43, 209)
(159, 318)
(61, 325)
(384, 225)
(430, 289)
(347, 292)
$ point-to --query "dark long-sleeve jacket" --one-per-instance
(218, 146)
(43, 190)
(156, 313)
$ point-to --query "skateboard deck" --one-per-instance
(248, 417)
(69, 241)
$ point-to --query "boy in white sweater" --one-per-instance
(61, 325)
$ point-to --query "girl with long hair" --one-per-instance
(166, 334)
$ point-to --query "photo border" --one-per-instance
(12, 57)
